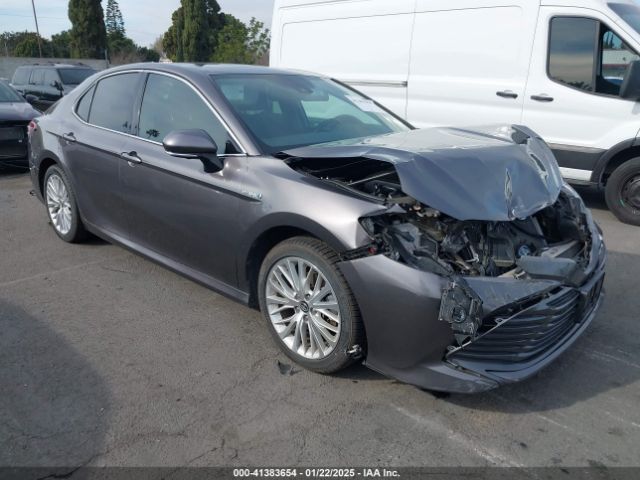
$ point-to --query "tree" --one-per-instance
(239, 43)
(194, 30)
(114, 22)
(88, 32)
(28, 46)
(61, 44)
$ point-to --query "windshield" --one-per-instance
(629, 13)
(287, 111)
(8, 94)
(74, 76)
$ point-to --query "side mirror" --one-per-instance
(57, 85)
(30, 98)
(194, 144)
(630, 88)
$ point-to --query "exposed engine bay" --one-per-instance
(428, 239)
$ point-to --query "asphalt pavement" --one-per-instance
(109, 359)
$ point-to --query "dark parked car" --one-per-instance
(43, 85)
(452, 259)
(15, 115)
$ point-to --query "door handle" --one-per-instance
(131, 157)
(507, 94)
(69, 137)
(542, 98)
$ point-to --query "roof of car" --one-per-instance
(209, 69)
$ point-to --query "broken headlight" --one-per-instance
(460, 307)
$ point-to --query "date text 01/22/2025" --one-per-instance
(315, 472)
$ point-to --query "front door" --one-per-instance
(572, 99)
(175, 208)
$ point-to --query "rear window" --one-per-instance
(74, 76)
(113, 102)
(8, 94)
(84, 105)
(21, 76)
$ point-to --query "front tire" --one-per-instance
(308, 305)
(623, 192)
(62, 209)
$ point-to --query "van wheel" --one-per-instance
(308, 305)
(623, 192)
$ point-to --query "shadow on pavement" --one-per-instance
(54, 407)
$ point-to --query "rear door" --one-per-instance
(175, 208)
(572, 99)
(469, 64)
(93, 141)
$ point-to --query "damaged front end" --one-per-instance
(553, 244)
(515, 275)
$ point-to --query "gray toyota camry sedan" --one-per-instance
(453, 259)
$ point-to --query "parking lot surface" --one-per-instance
(109, 359)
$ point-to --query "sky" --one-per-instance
(144, 20)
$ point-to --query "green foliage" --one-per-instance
(28, 46)
(114, 23)
(88, 32)
(193, 34)
(239, 43)
(61, 44)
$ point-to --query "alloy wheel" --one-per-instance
(303, 308)
(59, 204)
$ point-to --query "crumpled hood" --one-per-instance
(17, 111)
(489, 173)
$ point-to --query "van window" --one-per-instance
(21, 76)
(614, 58)
(587, 55)
(113, 102)
(571, 51)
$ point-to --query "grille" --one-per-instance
(12, 133)
(533, 331)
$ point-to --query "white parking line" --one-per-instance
(490, 455)
(608, 358)
(622, 420)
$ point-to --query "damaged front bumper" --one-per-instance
(524, 323)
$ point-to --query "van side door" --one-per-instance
(469, 65)
(579, 62)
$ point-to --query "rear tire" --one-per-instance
(308, 305)
(623, 192)
(61, 206)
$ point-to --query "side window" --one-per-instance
(113, 102)
(588, 55)
(21, 77)
(170, 104)
(50, 77)
(37, 77)
(82, 109)
(614, 59)
(572, 45)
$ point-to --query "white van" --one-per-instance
(566, 68)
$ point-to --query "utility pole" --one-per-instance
(35, 17)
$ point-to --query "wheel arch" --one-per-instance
(613, 158)
(47, 160)
(266, 235)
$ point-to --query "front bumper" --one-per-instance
(407, 341)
